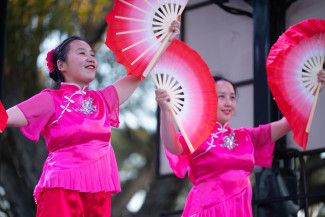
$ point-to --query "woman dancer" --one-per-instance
(80, 173)
(220, 168)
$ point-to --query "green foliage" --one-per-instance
(29, 22)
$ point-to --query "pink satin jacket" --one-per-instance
(76, 125)
(220, 169)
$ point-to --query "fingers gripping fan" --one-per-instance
(186, 77)
(138, 31)
(292, 67)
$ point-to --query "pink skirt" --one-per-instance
(54, 202)
(239, 205)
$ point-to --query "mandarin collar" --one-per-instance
(221, 127)
(72, 87)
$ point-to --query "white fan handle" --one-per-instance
(179, 125)
(313, 108)
(177, 121)
(162, 48)
(158, 54)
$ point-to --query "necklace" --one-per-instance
(87, 106)
(229, 141)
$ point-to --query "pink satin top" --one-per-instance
(220, 168)
(76, 125)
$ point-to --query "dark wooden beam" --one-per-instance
(3, 21)
(261, 17)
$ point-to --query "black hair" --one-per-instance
(220, 78)
(60, 53)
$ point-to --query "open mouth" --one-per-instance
(227, 112)
(90, 67)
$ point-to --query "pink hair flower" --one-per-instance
(49, 60)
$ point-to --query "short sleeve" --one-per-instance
(112, 100)
(38, 111)
(179, 163)
(263, 145)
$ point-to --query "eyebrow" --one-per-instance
(225, 92)
(83, 49)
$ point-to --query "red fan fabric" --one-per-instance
(3, 118)
(198, 113)
(131, 33)
(285, 66)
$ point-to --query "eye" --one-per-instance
(221, 96)
(82, 52)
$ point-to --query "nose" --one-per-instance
(228, 102)
(91, 59)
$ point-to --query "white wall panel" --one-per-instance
(224, 40)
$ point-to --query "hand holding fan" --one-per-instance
(138, 31)
(292, 66)
(138, 34)
(187, 79)
(3, 118)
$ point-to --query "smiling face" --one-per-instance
(227, 101)
(81, 64)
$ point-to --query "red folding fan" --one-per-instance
(3, 118)
(186, 77)
(292, 67)
(138, 31)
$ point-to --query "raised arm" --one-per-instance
(168, 132)
(12, 117)
(126, 86)
(279, 128)
(16, 118)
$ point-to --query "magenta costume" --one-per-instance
(76, 125)
(220, 168)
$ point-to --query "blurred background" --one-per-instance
(232, 36)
